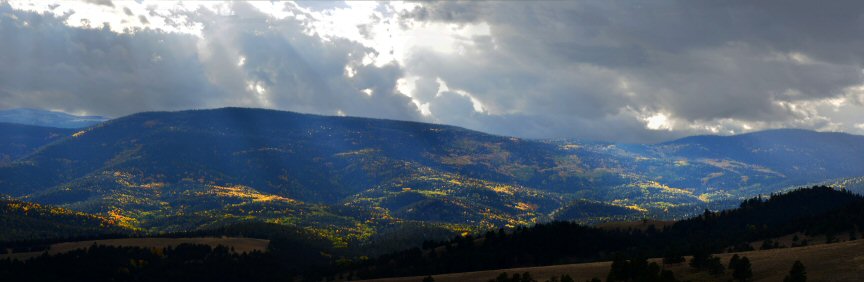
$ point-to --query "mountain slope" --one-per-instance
(19, 140)
(255, 147)
(797, 154)
(48, 118)
(349, 178)
(28, 221)
(186, 170)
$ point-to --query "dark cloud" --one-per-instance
(605, 70)
(50, 65)
(297, 71)
(592, 63)
(55, 66)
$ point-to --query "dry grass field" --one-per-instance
(824, 262)
(240, 245)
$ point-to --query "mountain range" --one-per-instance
(353, 179)
(48, 118)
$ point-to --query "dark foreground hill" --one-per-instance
(823, 262)
(812, 212)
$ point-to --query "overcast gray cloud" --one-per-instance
(605, 70)
(50, 65)
(698, 66)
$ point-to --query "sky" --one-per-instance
(618, 71)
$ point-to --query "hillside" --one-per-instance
(343, 177)
(824, 262)
(17, 140)
(350, 179)
(28, 221)
(798, 155)
(814, 211)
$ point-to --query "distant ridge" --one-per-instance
(186, 170)
(45, 118)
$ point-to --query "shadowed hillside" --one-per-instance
(17, 140)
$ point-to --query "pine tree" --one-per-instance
(742, 271)
(619, 270)
(526, 277)
(797, 274)
(830, 238)
(714, 266)
(501, 278)
(733, 262)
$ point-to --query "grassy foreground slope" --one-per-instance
(825, 262)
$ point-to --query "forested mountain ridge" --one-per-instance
(193, 169)
(38, 117)
(349, 179)
(18, 140)
(794, 153)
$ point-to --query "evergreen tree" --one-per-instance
(742, 270)
(526, 277)
(699, 258)
(619, 271)
(501, 278)
(830, 237)
(671, 258)
(733, 262)
(768, 244)
(797, 274)
(714, 266)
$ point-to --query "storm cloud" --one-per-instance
(618, 71)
